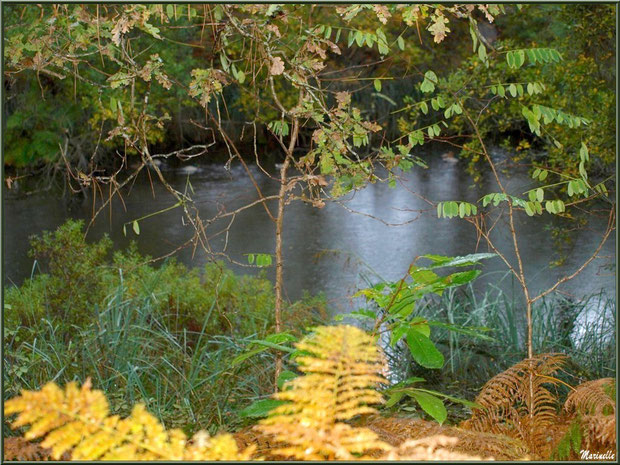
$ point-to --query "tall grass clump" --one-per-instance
(163, 336)
(584, 329)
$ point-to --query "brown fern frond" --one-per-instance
(397, 431)
(594, 405)
(263, 443)
(17, 448)
(77, 420)
(592, 398)
(343, 367)
(516, 403)
(431, 448)
(600, 432)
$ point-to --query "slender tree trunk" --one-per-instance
(279, 224)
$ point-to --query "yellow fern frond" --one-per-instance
(343, 367)
(516, 403)
(77, 420)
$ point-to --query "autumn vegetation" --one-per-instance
(114, 355)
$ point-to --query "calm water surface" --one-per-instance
(335, 250)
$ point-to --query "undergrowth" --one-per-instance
(329, 413)
(584, 329)
(161, 335)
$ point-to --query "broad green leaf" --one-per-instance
(540, 194)
(583, 152)
(423, 350)
(430, 404)
(398, 333)
(520, 90)
(394, 398)
(406, 383)
(420, 324)
(370, 39)
(512, 88)
(351, 38)
(136, 227)
(465, 260)
(260, 408)
(423, 276)
(401, 42)
(285, 376)
(482, 53)
(466, 402)
(528, 209)
(377, 84)
(359, 38)
(462, 277)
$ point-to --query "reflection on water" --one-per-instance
(335, 250)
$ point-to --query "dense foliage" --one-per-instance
(344, 96)
(155, 333)
(318, 416)
(51, 106)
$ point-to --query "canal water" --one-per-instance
(371, 234)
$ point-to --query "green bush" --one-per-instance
(163, 335)
(78, 277)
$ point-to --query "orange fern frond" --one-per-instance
(516, 403)
(594, 404)
(592, 397)
(77, 420)
(17, 448)
(600, 432)
(342, 366)
(430, 448)
(396, 431)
